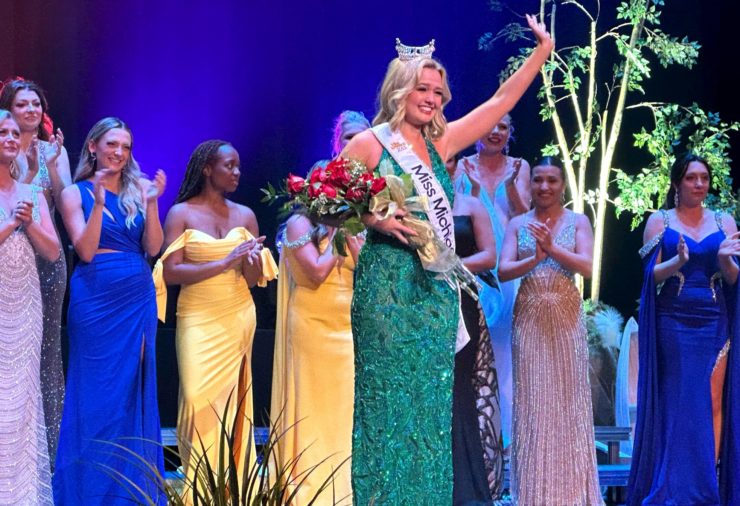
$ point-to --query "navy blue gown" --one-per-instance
(685, 326)
(111, 400)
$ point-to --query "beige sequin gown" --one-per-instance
(553, 457)
(25, 478)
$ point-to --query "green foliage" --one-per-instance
(219, 483)
(677, 129)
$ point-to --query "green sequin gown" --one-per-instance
(404, 324)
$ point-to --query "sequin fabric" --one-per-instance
(404, 325)
(53, 279)
(553, 454)
(25, 478)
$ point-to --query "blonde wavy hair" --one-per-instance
(129, 197)
(400, 80)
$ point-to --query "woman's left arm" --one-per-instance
(477, 123)
(579, 261)
(153, 235)
(728, 250)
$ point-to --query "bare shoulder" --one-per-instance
(728, 223)
(654, 225)
(365, 148)
(71, 192)
(581, 219)
(297, 226)
(178, 210)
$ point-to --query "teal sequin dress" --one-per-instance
(404, 324)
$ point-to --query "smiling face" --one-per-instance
(497, 138)
(547, 186)
(10, 137)
(112, 150)
(694, 185)
(27, 110)
(224, 173)
(425, 99)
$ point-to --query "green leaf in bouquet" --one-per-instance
(354, 225)
(270, 194)
(408, 184)
(339, 242)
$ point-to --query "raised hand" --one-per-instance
(32, 156)
(473, 172)
(23, 213)
(730, 246)
(539, 31)
(98, 181)
(682, 250)
(255, 249)
(156, 187)
(542, 234)
(241, 251)
(55, 143)
(511, 178)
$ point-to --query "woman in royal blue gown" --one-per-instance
(109, 451)
(685, 450)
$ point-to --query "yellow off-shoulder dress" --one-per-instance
(313, 380)
(215, 329)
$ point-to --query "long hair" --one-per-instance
(678, 171)
(5, 114)
(345, 120)
(9, 90)
(129, 196)
(400, 80)
(204, 154)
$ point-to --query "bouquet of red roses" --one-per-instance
(336, 195)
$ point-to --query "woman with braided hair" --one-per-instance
(214, 251)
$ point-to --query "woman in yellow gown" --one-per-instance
(215, 253)
(313, 370)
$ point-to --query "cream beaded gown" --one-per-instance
(553, 458)
(25, 478)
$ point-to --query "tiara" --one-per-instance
(408, 53)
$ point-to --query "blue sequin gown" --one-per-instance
(111, 379)
(404, 324)
(684, 326)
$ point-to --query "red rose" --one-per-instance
(356, 194)
(313, 190)
(377, 186)
(328, 190)
(339, 176)
(335, 164)
(319, 176)
(295, 184)
(365, 178)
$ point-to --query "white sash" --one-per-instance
(426, 183)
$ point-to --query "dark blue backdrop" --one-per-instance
(270, 77)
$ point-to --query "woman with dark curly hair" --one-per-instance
(215, 253)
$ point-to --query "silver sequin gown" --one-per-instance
(553, 457)
(53, 278)
(25, 478)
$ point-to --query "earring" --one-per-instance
(505, 150)
(676, 200)
(92, 155)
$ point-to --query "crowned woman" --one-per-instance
(405, 321)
